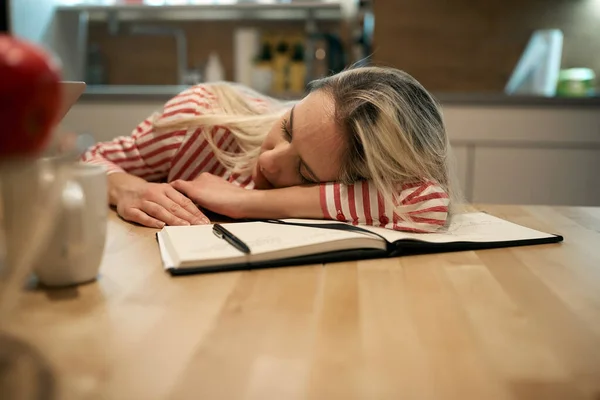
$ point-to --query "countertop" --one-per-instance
(515, 323)
(118, 93)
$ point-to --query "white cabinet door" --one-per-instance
(106, 121)
(537, 176)
(461, 163)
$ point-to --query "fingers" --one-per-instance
(155, 205)
(159, 212)
(140, 217)
(184, 208)
(182, 187)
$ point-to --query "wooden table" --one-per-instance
(518, 323)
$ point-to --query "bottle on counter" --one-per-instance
(246, 47)
(297, 78)
(576, 82)
(96, 66)
(262, 72)
(214, 71)
(281, 62)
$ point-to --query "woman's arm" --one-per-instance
(151, 204)
(290, 202)
(147, 155)
(122, 184)
(420, 208)
(218, 195)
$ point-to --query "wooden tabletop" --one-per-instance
(517, 323)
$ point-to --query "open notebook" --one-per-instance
(193, 249)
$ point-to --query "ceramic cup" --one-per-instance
(74, 252)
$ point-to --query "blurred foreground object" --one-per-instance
(30, 194)
(30, 100)
(30, 97)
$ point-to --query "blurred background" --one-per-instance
(450, 46)
(275, 46)
(516, 78)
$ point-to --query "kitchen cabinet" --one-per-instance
(558, 176)
(460, 154)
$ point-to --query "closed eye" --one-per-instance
(285, 130)
(305, 180)
(287, 135)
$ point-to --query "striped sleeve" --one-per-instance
(145, 152)
(421, 207)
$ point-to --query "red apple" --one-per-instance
(30, 97)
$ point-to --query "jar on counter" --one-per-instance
(576, 82)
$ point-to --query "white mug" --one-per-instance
(74, 253)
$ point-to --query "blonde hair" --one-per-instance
(248, 121)
(395, 130)
(394, 127)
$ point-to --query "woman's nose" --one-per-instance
(273, 159)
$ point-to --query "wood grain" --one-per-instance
(518, 323)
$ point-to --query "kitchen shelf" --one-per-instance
(279, 10)
(74, 18)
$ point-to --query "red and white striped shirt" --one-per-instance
(184, 154)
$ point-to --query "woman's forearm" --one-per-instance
(120, 183)
(291, 202)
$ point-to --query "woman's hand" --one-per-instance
(152, 204)
(216, 194)
(220, 196)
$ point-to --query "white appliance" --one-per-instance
(538, 68)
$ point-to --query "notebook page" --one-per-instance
(166, 258)
(199, 243)
(471, 227)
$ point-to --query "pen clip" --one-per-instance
(217, 232)
(230, 238)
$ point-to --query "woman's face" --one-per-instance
(304, 147)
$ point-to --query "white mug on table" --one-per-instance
(72, 252)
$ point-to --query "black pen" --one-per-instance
(230, 238)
